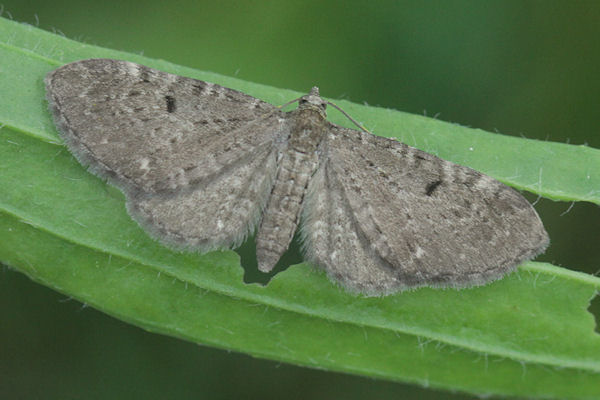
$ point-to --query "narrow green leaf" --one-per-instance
(527, 335)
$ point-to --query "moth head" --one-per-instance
(313, 101)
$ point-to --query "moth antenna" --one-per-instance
(349, 117)
(289, 102)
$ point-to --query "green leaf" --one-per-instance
(527, 335)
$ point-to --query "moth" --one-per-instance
(203, 166)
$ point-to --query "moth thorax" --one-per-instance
(308, 130)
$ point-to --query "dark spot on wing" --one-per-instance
(170, 103)
(431, 187)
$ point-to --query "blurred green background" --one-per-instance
(528, 68)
